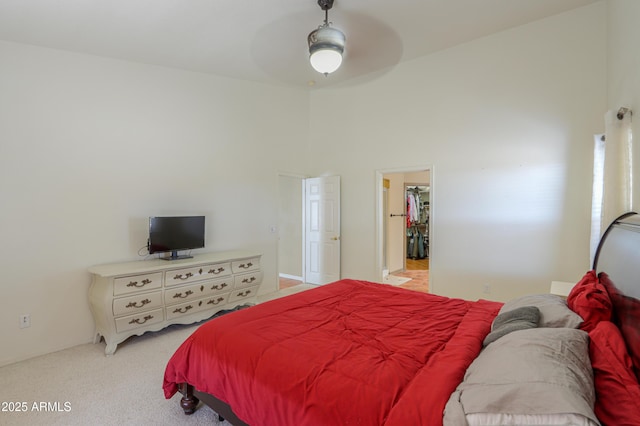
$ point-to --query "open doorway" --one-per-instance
(308, 230)
(404, 223)
(417, 191)
(290, 229)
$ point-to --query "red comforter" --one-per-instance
(351, 352)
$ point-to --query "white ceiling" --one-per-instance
(264, 40)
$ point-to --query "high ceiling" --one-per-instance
(264, 40)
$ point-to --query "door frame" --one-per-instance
(379, 216)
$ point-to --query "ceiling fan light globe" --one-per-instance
(326, 61)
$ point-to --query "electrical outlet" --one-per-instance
(486, 289)
(25, 321)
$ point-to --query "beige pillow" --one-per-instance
(554, 311)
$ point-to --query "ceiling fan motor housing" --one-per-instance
(326, 37)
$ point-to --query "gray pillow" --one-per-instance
(517, 319)
(528, 375)
(554, 311)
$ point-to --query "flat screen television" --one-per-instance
(170, 234)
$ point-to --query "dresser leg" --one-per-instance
(110, 349)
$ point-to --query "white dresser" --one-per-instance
(132, 298)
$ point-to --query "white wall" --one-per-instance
(624, 71)
(507, 121)
(90, 147)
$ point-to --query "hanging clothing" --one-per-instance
(411, 242)
(412, 209)
(415, 243)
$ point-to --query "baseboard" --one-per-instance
(291, 277)
(25, 357)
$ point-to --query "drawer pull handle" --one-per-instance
(218, 287)
(244, 293)
(135, 304)
(245, 266)
(142, 283)
(216, 271)
(185, 277)
(137, 320)
(249, 280)
(181, 311)
(200, 271)
(180, 296)
(215, 301)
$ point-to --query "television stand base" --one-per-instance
(175, 256)
(182, 256)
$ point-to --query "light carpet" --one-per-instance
(82, 386)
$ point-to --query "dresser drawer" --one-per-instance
(243, 293)
(221, 285)
(198, 273)
(133, 283)
(189, 308)
(244, 265)
(247, 280)
(184, 293)
(140, 302)
(138, 320)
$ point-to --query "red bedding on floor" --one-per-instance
(351, 352)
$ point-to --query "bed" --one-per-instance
(360, 353)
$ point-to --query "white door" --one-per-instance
(322, 229)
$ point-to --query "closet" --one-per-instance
(417, 221)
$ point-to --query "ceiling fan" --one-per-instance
(326, 44)
(363, 47)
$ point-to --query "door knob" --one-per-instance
(335, 238)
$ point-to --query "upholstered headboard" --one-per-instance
(617, 263)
